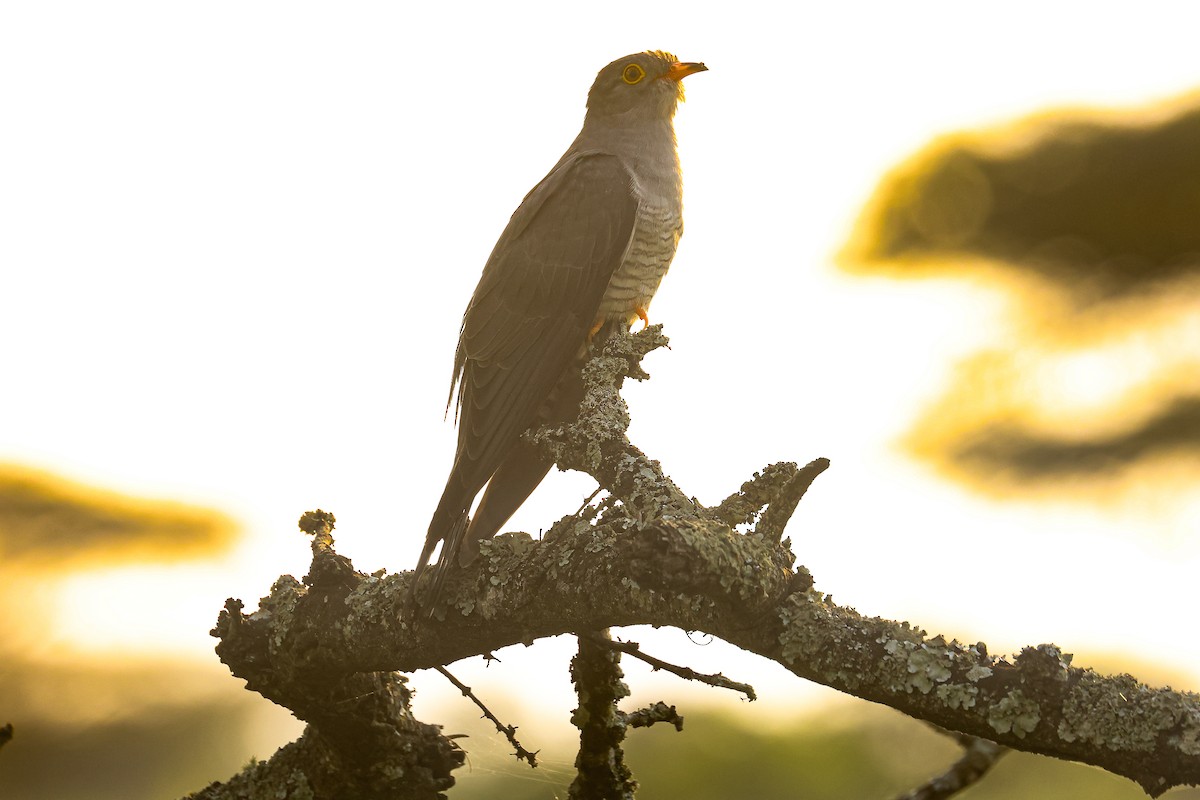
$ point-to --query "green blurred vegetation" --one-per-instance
(156, 754)
(845, 751)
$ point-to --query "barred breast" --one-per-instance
(656, 235)
(630, 290)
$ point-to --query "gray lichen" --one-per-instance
(1122, 714)
(1014, 713)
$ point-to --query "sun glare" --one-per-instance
(136, 611)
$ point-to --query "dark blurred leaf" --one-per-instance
(1102, 207)
(48, 521)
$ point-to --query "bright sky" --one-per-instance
(236, 240)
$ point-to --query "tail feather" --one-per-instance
(447, 527)
(520, 472)
(511, 486)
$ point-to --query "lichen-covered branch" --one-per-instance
(597, 444)
(650, 715)
(362, 740)
(655, 557)
(701, 575)
(600, 771)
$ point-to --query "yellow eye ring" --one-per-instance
(632, 74)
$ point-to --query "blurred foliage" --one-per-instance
(1093, 218)
(123, 725)
(1100, 204)
(50, 522)
(1000, 430)
(1001, 445)
(847, 751)
(156, 754)
(843, 751)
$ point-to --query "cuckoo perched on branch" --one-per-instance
(584, 251)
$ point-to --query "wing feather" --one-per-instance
(536, 301)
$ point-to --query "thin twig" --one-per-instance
(589, 500)
(509, 731)
(687, 673)
(979, 756)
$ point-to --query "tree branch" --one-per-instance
(509, 731)
(654, 557)
(659, 712)
(687, 673)
(979, 756)
(362, 740)
(601, 773)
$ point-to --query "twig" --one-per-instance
(659, 712)
(6, 734)
(979, 756)
(687, 673)
(589, 500)
(509, 731)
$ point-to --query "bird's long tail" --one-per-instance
(511, 486)
(448, 527)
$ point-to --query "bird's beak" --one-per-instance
(681, 69)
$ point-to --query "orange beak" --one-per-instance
(681, 69)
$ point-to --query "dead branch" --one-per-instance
(687, 673)
(509, 731)
(600, 771)
(362, 739)
(654, 557)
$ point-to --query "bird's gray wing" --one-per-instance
(528, 320)
(535, 303)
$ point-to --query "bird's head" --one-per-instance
(642, 85)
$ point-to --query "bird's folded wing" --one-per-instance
(536, 301)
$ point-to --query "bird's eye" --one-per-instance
(632, 74)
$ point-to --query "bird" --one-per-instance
(584, 251)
